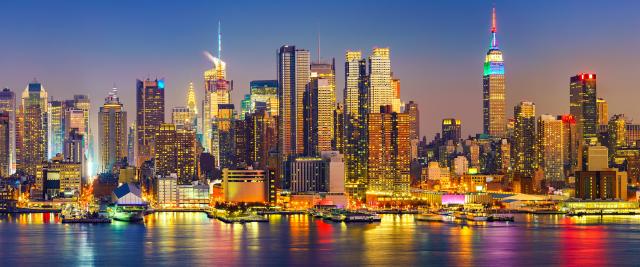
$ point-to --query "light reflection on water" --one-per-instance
(193, 239)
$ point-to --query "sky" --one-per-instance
(437, 48)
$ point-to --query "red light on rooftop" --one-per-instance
(590, 76)
(582, 77)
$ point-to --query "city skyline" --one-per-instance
(426, 76)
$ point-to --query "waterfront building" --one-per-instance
(451, 130)
(293, 78)
(494, 88)
(583, 107)
(603, 111)
(355, 115)
(550, 147)
(58, 178)
(305, 174)
(524, 139)
(244, 185)
(334, 171)
(389, 152)
(112, 132)
(5, 144)
(149, 117)
(34, 128)
(380, 81)
(194, 195)
(603, 184)
(8, 104)
(167, 191)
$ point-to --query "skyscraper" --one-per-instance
(389, 152)
(396, 102)
(319, 111)
(176, 152)
(112, 127)
(570, 144)
(380, 81)
(617, 130)
(524, 139)
(149, 116)
(602, 111)
(451, 130)
(217, 90)
(223, 134)
(493, 88)
(550, 145)
(583, 106)
(414, 119)
(8, 104)
(34, 127)
(293, 78)
(166, 159)
(56, 129)
(5, 146)
(191, 103)
(356, 108)
(182, 117)
(264, 94)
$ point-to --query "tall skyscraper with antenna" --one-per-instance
(493, 88)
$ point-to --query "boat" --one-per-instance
(477, 216)
(429, 217)
(460, 215)
(361, 217)
(127, 213)
(500, 218)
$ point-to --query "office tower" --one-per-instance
(34, 127)
(262, 137)
(380, 84)
(56, 129)
(617, 129)
(570, 144)
(318, 116)
(293, 79)
(82, 102)
(74, 120)
(396, 102)
(5, 144)
(411, 108)
(217, 90)
(451, 130)
(493, 88)
(132, 140)
(355, 115)
(186, 161)
(602, 111)
(389, 153)
(191, 103)
(112, 127)
(524, 139)
(165, 147)
(338, 133)
(8, 104)
(181, 117)
(550, 145)
(583, 106)
(241, 137)
(73, 148)
(264, 94)
(149, 116)
(223, 140)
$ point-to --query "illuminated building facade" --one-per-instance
(396, 102)
(570, 144)
(524, 139)
(34, 127)
(411, 108)
(191, 104)
(223, 135)
(8, 104)
(264, 95)
(217, 90)
(389, 152)
(318, 116)
(5, 146)
(56, 129)
(380, 81)
(305, 174)
(583, 106)
(293, 78)
(550, 147)
(112, 127)
(493, 88)
(604, 184)
(244, 185)
(58, 178)
(602, 111)
(355, 117)
(338, 133)
(182, 117)
(617, 128)
(149, 116)
(451, 130)
(176, 152)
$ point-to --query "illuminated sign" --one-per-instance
(453, 199)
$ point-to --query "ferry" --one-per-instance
(126, 213)
(429, 217)
(477, 216)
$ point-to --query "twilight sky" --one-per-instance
(437, 48)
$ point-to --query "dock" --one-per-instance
(87, 220)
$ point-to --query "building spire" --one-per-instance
(494, 29)
(219, 42)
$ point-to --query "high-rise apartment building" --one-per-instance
(551, 147)
(355, 116)
(318, 118)
(112, 131)
(411, 108)
(380, 81)
(56, 129)
(389, 152)
(494, 88)
(602, 111)
(293, 78)
(5, 146)
(149, 116)
(583, 106)
(524, 139)
(8, 104)
(617, 133)
(223, 135)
